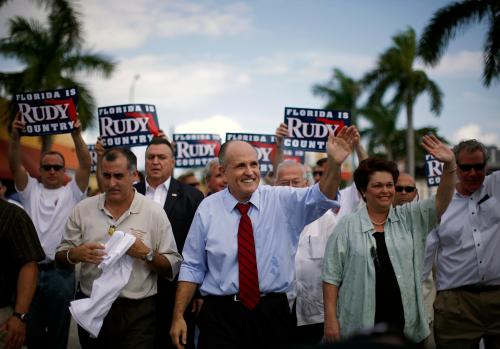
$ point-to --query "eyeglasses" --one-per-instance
(408, 189)
(195, 184)
(317, 173)
(468, 167)
(50, 167)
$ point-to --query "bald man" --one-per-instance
(406, 189)
(240, 250)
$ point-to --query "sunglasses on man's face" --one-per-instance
(468, 167)
(408, 189)
(50, 167)
(318, 173)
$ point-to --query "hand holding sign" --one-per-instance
(341, 146)
(281, 133)
(17, 126)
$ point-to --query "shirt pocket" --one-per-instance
(489, 212)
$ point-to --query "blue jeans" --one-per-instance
(49, 317)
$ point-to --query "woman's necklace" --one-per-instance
(379, 223)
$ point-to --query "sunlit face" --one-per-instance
(292, 176)
(159, 163)
(470, 179)
(404, 187)
(117, 180)
(52, 171)
(217, 180)
(380, 191)
(241, 170)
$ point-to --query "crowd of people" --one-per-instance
(288, 265)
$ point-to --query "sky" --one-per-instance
(232, 66)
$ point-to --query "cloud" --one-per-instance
(313, 65)
(119, 24)
(169, 83)
(474, 131)
(457, 65)
(218, 124)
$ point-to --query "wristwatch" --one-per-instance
(20, 316)
(149, 256)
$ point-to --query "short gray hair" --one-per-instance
(470, 146)
(207, 171)
(288, 164)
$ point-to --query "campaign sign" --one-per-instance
(195, 149)
(128, 125)
(433, 170)
(308, 128)
(93, 158)
(47, 112)
(265, 145)
(295, 154)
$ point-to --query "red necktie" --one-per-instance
(247, 261)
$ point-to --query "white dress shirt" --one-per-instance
(468, 238)
(308, 286)
(158, 194)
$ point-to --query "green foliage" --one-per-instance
(52, 56)
(394, 72)
(454, 18)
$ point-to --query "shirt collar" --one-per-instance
(230, 201)
(134, 207)
(366, 223)
(166, 184)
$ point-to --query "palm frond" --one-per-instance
(446, 23)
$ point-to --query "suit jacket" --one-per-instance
(180, 206)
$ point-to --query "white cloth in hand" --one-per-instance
(116, 268)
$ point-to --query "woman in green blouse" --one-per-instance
(373, 259)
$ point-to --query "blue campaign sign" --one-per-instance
(48, 112)
(128, 125)
(266, 149)
(195, 149)
(433, 170)
(295, 154)
(308, 128)
(93, 158)
(265, 145)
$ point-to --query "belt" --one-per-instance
(477, 288)
(236, 297)
(47, 265)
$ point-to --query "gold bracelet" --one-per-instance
(69, 260)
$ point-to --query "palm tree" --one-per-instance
(395, 71)
(342, 92)
(52, 56)
(449, 20)
(381, 133)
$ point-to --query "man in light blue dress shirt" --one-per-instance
(278, 215)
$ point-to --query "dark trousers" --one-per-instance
(225, 323)
(130, 323)
(49, 316)
(164, 300)
(463, 317)
(305, 336)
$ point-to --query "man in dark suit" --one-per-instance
(180, 202)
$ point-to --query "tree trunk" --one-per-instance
(410, 140)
